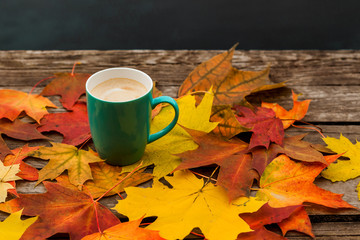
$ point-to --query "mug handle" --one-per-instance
(173, 103)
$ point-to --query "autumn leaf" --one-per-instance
(287, 183)
(236, 174)
(230, 85)
(105, 177)
(228, 126)
(74, 125)
(264, 216)
(126, 230)
(298, 221)
(298, 111)
(343, 170)
(13, 102)
(265, 126)
(162, 152)
(27, 172)
(7, 174)
(13, 227)
(63, 210)
(65, 157)
(188, 204)
(156, 93)
(293, 147)
(70, 86)
(18, 130)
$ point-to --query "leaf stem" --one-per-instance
(44, 79)
(73, 69)
(85, 142)
(204, 176)
(129, 174)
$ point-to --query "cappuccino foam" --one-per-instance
(119, 90)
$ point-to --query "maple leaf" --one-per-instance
(264, 216)
(298, 221)
(298, 111)
(74, 125)
(7, 173)
(106, 176)
(27, 172)
(13, 102)
(162, 152)
(347, 169)
(126, 230)
(230, 85)
(264, 125)
(287, 183)
(65, 157)
(293, 147)
(236, 174)
(228, 125)
(18, 130)
(70, 86)
(190, 203)
(63, 210)
(13, 227)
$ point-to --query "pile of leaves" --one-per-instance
(226, 171)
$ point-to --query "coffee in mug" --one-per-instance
(120, 125)
(119, 90)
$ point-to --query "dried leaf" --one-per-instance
(70, 86)
(65, 157)
(13, 102)
(74, 125)
(63, 210)
(7, 174)
(228, 125)
(287, 183)
(229, 84)
(298, 221)
(13, 227)
(298, 111)
(347, 169)
(187, 205)
(126, 230)
(105, 177)
(264, 125)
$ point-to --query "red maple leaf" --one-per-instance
(74, 126)
(63, 210)
(263, 123)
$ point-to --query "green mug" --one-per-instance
(121, 130)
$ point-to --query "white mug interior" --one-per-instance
(120, 72)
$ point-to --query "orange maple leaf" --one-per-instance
(126, 230)
(13, 102)
(298, 111)
(287, 183)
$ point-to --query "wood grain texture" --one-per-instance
(330, 78)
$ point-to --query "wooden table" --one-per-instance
(330, 78)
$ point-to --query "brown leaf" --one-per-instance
(229, 84)
(298, 221)
(228, 125)
(70, 86)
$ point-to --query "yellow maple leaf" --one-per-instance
(7, 173)
(189, 204)
(13, 227)
(65, 157)
(343, 170)
(161, 152)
